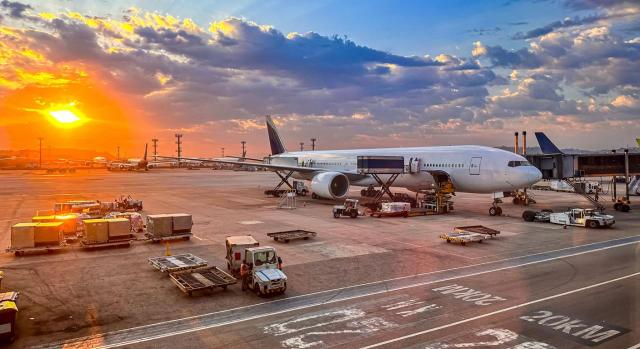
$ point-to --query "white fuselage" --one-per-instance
(472, 169)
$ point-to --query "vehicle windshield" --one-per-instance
(264, 257)
(519, 163)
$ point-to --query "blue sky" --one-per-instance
(351, 73)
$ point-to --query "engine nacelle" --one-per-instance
(330, 185)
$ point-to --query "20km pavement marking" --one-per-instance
(500, 311)
(231, 316)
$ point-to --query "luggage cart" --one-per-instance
(176, 263)
(21, 251)
(289, 235)
(463, 238)
(111, 243)
(206, 278)
(479, 229)
(153, 238)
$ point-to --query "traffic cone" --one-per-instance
(167, 251)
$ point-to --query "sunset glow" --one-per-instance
(64, 116)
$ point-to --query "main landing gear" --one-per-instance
(495, 210)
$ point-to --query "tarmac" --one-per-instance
(361, 283)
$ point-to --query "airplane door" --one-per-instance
(474, 166)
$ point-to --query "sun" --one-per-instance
(64, 116)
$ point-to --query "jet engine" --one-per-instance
(330, 185)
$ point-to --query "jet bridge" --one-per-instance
(389, 167)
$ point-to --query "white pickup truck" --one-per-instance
(582, 218)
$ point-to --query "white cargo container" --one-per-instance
(22, 235)
(236, 246)
(159, 225)
(182, 222)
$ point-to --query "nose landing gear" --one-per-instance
(495, 210)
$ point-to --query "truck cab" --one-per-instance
(264, 276)
(582, 218)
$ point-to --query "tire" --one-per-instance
(625, 208)
(353, 214)
(303, 192)
(547, 210)
(493, 211)
(617, 206)
(363, 192)
(593, 224)
(529, 216)
(499, 211)
(405, 215)
(516, 201)
(336, 215)
(256, 288)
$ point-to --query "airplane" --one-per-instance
(135, 164)
(469, 168)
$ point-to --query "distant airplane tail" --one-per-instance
(546, 145)
(277, 146)
(146, 145)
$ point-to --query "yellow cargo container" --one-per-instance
(48, 233)
(22, 235)
(96, 230)
(43, 219)
(70, 223)
(119, 228)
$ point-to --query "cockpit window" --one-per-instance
(519, 163)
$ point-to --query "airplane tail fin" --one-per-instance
(277, 146)
(546, 145)
(146, 145)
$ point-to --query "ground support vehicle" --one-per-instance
(581, 217)
(289, 235)
(576, 217)
(622, 205)
(205, 278)
(264, 276)
(128, 204)
(348, 209)
(299, 187)
(236, 247)
(171, 264)
(463, 238)
(37, 249)
(478, 229)
(537, 216)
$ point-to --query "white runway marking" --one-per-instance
(635, 346)
(500, 311)
(196, 323)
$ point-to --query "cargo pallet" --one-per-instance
(289, 235)
(380, 214)
(177, 236)
(111, 243)
(206, 278)
(463, 238)
(172, 264)
(20, 251)
(478, 229)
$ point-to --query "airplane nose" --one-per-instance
(534, 175)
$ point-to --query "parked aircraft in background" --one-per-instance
(135, 164)
(469, 168)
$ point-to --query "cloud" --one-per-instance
(568, 23)
(15, 9)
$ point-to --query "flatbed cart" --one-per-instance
(289, 235)
(205, 278)
(172, 264)
(21, 251)
(463, 238)
(478, 229)
(179, 236)
(112, 243)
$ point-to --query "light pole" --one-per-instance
(40, 139)
(313, 144)
(179, 143)
(244, 149)
(301, 146)
(222, 151)
(155, 149)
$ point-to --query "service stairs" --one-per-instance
(579, 189)
(634, 186)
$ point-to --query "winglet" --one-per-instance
(277, 146)
(546, 145)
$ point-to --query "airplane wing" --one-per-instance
(271, 167)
